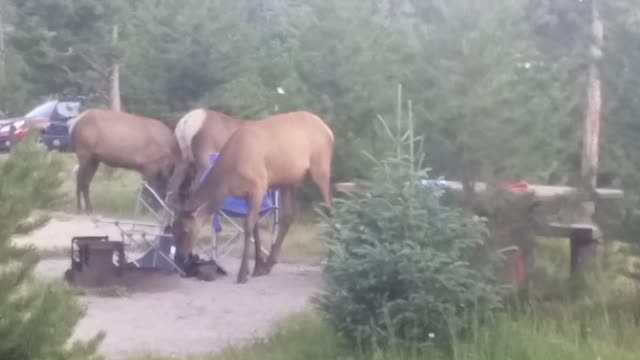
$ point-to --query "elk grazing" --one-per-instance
(199, 133)
(276, 152)
(122, 140)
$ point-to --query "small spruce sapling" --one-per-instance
(36, 318)
(404, 268)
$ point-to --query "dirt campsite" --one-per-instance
(182, 316)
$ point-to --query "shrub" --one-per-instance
(402, 266)
(36, 318)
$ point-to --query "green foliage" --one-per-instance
(403, 267)
(13, 91)
(67, 45)
(337, 58)
(619, 152)
(36, 319)
(499, 85)
(177, 52)
(481, 122)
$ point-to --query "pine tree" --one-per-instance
(13, 90)
(67, 46)
(403, 267)
(36, 318)
(499, 107)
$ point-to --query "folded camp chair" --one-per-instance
(234, 210)
(155, 236)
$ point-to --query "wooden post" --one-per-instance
(583, 248)
(584, 244)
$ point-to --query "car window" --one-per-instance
(68, 108)
(43, 110)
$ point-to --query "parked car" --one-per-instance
(50, 118)
(56, 134)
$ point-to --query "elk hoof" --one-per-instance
(259, 270)
(269, 266)
(243, 276)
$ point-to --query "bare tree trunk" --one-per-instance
(2, 45)
(584, 246)
(115, 78)
(591, 136)
(3, 63)
(114, 92)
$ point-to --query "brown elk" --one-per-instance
(122, 140)
(199, 133)
(276, 152)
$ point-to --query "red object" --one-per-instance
(26, 125)
(517, 270)
(516, 187)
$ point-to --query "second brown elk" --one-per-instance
(199, 133)
(122, 140)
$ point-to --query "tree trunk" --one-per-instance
(114, 92)
(591, 136)
(584, 251)
(2, 44)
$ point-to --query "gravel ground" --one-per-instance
(182, 316)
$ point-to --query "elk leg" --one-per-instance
(91, 171)
(86, 170)
(249, 225)
(287, 213)
(82, 164)
(259, 268)
(79, 188)
(321, 176)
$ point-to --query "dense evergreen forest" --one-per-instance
(498, 86)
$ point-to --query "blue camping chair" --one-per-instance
(234, 209)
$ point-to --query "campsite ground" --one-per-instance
(173, 316)
(185, 316)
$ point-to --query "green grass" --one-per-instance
(599, 322)
(113, 191)
(602, 280)
(557, 335)
(302, 244)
